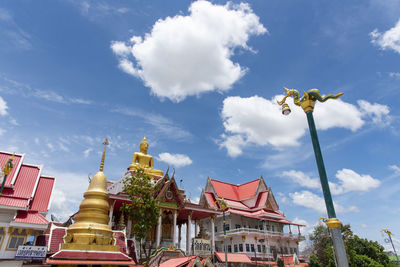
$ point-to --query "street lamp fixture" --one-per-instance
(307, 103)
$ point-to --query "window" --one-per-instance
(229, 248)
(1, 236)
(261, 227)
(268, 228)
(295, 250)
(237, 226)
(252, 247)
(291, 250)
(264, 249)
(241, 247)
(16, 239)
(286, 250)
(258, 248)
(247, 248)
(235, 248)
(215, 229)
(273, 228)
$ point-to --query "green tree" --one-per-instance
(314, 261)
(143, 209)
(280, 262)
(360, 251)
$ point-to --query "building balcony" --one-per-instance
(259, 233)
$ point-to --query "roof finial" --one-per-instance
(105, 143)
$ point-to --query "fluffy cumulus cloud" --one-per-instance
(389, 39)
(177, 160)
(310, 200)
(3, 107)
(302, 179)
(258, 121)
(189, 55)
(349, 181)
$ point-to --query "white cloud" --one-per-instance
(377, 112)
(349, 181)
(68, 192)
(3, 107)
(395, 169)
(389, 39)
(177, 160)
(310, 200)
(189, 55)
(258, 121)
(352, 181)
(394, 75)
(87, 152)
(302, 179)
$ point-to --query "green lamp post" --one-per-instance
(307, 102)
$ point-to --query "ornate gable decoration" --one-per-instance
(169, 194)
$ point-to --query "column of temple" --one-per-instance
(173, 228)
(158, 238)
(212, 234)
(188, 234)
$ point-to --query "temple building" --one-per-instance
(24, 202)
(176, 211)
(254, 224)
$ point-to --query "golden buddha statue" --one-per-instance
(141, 160)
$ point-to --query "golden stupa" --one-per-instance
(90, 230)
(142, 160)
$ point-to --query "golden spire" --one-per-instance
(105, 143)
(90, 230)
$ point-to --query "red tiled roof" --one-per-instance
(26, 181)
(92, 262)
(235, 192)
(43, 193)
(177, 262)
(13, 202)
(233, 257)
(210, 199)
(90, 255)
(4, 157)
(56, 239)
(30, 217)
(262, 199)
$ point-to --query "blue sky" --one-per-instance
(200, 80)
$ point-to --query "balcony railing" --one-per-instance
(245, 230)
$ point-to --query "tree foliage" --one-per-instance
(143, 209)
(280, 263)
(360, 251)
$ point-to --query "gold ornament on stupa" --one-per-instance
(90, 230)
(142, 160)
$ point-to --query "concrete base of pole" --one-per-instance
(340, 250)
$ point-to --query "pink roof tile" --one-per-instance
(262, 199)
(43, 193)
(13, 202)
(56, 239)
(176, 262)
(30, 217)
(233, 257)
(210, 199)
(4, 156)
(235, 192)
(25, 182)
